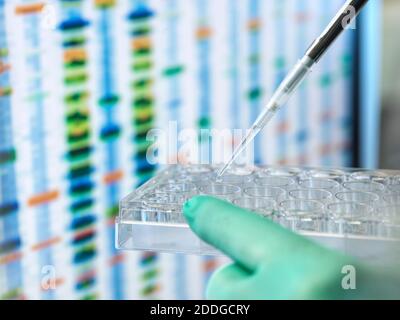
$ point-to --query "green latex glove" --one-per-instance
(271, 262)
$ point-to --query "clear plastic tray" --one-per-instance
(355, 211)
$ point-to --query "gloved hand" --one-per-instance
(271, 262)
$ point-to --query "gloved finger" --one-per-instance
(230, 282)
(242, 235)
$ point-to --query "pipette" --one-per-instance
(317, 49)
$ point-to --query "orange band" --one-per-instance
(29, 8)
(43, 198)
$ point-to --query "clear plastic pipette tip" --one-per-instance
(243, 144)
(282, 94)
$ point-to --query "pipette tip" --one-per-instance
(222, 171)
(224, 168)
(250, 135)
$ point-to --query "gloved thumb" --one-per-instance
(246, 237)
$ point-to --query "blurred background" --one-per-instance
(390, 129)
(82, 83)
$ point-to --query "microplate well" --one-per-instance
(352, 210)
